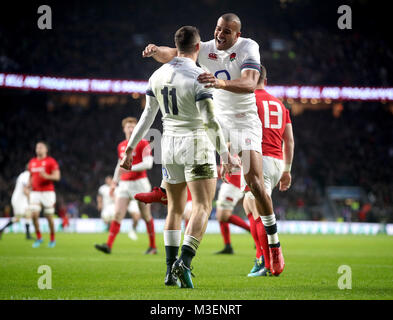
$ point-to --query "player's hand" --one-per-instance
(150, 50)
(112, 189)
(285, 181)
(232, 164)
(211, 81)
(44, 175)
(126, 161)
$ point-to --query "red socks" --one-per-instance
(113, 231)
(52, 236)
(151, 233)
(224, 226)
(253, 230)
(239, 222)
(262, 236)
(38, 234)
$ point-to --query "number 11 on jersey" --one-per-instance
(166, 93)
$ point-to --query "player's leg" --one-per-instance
(35, 208)
(28, 221)
(148, 218)
(144, 186)
(202, 192)
(262, 261)
(121, 203)
(187, 213)
(135, 215)
(48, 202)
(172, 230)
(255, 180)
(222, 216)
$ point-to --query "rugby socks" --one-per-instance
(52, 236)
(7, 225)
(188, 249)
(263, 241)
(27, 226)
(253, 230)
(271, 229)
(238, 222)
(38, 234)
(151, 233)
(172, 240)
(226, 235)
(113, 231)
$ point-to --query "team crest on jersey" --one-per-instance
(212, 56)
(232, 56)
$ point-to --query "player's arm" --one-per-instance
(289, 147)
(245, 84)
(54, 176)
(99, 202)
(215, 135)
(159, 53)
(146, 164)
(141, 128)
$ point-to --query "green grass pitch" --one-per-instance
(81, 272)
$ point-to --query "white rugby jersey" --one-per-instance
(21, 182)
(177, 90)
(103, 191)
(228, 65)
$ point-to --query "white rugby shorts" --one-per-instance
(39, 199)
(187, 158)
(228, 196)
(128, 189)
(272, 172)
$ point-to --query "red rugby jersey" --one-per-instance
(141, 150)
(35, 166)
(274, 117)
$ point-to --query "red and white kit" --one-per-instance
(230, 193)
(133, 182)
(43, 190)
(274, 117)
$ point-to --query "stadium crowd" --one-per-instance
(104, 41)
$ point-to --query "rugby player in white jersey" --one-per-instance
(106, 205)
(233, 69)
(188, 159)
(20, 203)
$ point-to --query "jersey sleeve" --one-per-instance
(252, 58)
(144, 148)
(201, 92)
(54, 165)
(287, 116)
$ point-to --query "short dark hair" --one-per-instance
(262, 75)
(229, 17)
(186, 38)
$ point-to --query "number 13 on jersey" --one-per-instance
(272, 115)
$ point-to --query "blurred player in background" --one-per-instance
(188, 157)
(20, 203)
(44, 170)
(228, 196)
(127, 184)
(106, 205)
(233, 63)
(277, 162)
